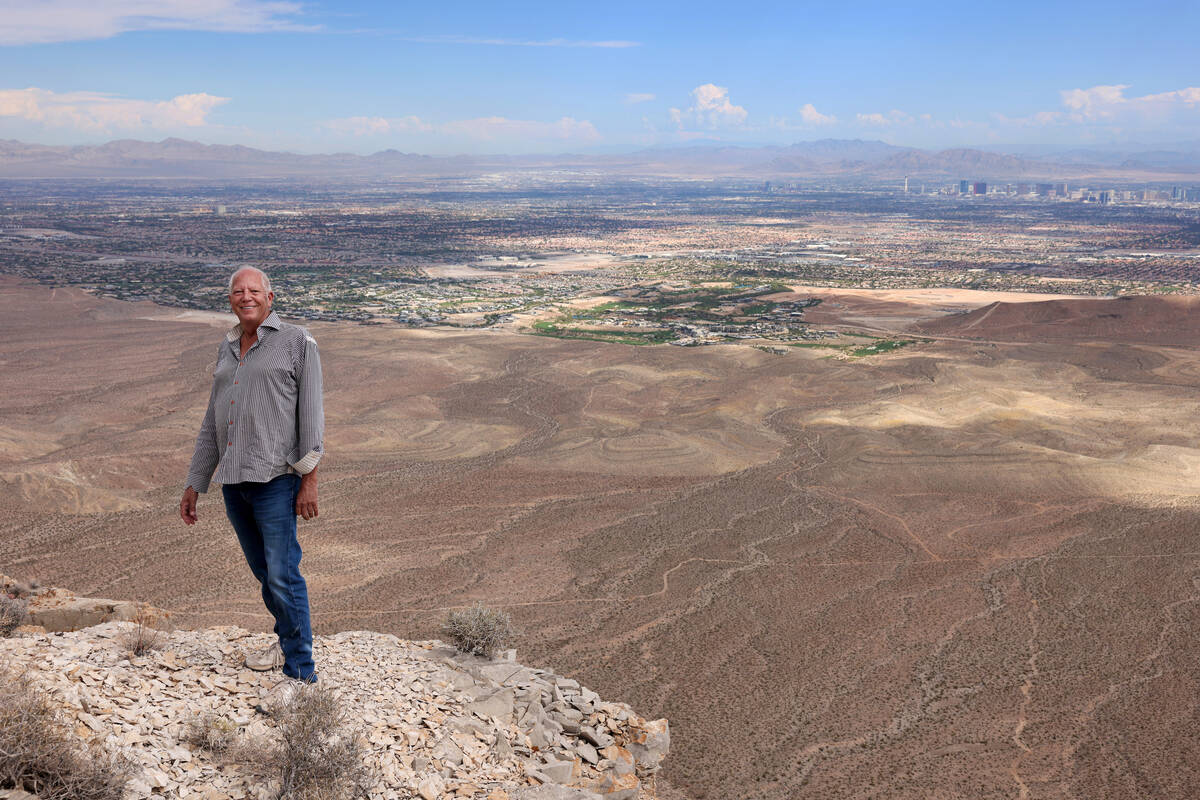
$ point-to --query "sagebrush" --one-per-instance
(214, 734)
(143, 635)
(480, 630)
(12, 614)
(317, 755)
(39, 754)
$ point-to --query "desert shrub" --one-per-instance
(214, 734)
(317, 756)
(40, 755)
(12, 614)
(142, 636)
(479, 630)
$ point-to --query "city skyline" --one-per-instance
(540, 78)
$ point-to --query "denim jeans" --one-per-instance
(264, 517)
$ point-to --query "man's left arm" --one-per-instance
(310, 428)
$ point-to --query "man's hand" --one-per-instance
(306, 499)
(187, 506)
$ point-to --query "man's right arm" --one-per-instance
(205, 458)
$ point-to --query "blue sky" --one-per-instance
(520, 77)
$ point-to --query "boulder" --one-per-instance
(617, 787)
(431, 787)
(649, 743)
(621, 760)
(498, 704)
(59, 611)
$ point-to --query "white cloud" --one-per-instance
(99, 112)
(1189, 96)
(713, 102)
(480, 128)
(500, 42)
(1108, 105)
(26, 22)
(810, 116)
(1093, 102)
(638, 97)
(893, 117)
(711, 108)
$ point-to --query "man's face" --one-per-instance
(248, 300)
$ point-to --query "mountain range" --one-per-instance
(824, 159)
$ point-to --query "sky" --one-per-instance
(555, 77)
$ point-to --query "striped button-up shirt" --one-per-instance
(265, 414)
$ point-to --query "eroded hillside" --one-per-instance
(965, 568)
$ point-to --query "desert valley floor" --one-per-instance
(965, 569)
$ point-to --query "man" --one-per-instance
(262, 435)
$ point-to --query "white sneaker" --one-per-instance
(267, 659)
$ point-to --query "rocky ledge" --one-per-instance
(437, 723)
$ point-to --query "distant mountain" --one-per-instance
(824, 159)
(186, 159)
(964, 162)
(831, 151)
(1179, 157)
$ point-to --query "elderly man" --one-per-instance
(262, 435)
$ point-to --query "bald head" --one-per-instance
(250, 298)
(262, 276)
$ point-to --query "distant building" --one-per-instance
(1045, 189)
(1061, 190)
(1106, 198)
(1023, 188)
(964, 187)
(979, 187)
(221, 210)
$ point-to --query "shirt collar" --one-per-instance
(272, 321)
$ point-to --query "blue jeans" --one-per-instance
(264, 517)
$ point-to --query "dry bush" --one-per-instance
(12, 614)
(143, 636)
(40, 755)
(214, 734)
(479, 630)
(317, 756)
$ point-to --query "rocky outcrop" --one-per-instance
(437, 723)
(52, 609)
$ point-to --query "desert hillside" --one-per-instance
(1161, 320)
(962, 568)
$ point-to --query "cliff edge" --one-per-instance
(436, 723)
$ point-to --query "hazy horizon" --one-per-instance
(1031, 149)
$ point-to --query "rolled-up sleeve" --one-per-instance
(310, 411)
(207, 454)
